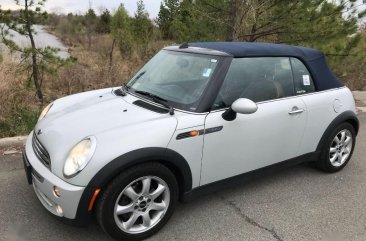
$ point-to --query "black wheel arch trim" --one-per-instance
(173, 160)
(347, 116)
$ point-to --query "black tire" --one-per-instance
(106, 202)
(324, 163)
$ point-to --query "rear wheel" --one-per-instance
(338, 149)
(138, 202)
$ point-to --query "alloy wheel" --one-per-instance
(340, 148)
(142, 204)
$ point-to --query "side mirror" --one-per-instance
(241, 106)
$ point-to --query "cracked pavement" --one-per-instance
(298, 203)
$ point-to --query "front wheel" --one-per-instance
(138, 202)
(338, 149)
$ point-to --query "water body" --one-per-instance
(42, 39)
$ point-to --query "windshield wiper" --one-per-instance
(122, 91)
(156, 99)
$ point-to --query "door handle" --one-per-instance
(295, 110)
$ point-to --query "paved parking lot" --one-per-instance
(299, 203)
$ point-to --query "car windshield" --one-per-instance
(176, 77)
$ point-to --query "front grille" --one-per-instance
(41, 152)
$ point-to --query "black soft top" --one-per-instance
(314, 59)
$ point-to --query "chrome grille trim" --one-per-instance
(41, 152)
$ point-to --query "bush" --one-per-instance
(19, 109)
(18, 122)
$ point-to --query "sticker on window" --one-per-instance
(306, 79)
(206, 72)
(213, 60)
(300, 91)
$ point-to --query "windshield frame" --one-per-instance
(203, 102)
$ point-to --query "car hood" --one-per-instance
(101, 114)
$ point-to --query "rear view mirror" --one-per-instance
(241, 106)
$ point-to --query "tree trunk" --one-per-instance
(111, 54)
(89, 39)
(252, 33)
(35, 69)
(230, 26)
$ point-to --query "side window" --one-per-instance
(258, 79)
(302, 78)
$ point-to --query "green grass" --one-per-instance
(19, 123)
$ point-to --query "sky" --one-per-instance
(76, 6)
(81, 6)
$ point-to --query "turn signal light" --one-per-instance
(92, 200)
(194, 133)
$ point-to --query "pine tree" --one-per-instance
(141, 24)
(121, 31)
(169, 10)
(104, 22)
(33, 59)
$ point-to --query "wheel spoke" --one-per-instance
(158, 206)
(343, 136)
(333, 158)
(333, 150)
(346, 150)
(146, 186)
(347, 141)
(129, 192)
(125, 209)
(339, 157)
(336, 139)
(146, 220)
(159, 190)
(131, 221)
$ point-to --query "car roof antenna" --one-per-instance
(184, 46)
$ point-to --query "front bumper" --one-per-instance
(44, 181)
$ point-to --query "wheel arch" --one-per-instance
(167, 157)
(347, 116)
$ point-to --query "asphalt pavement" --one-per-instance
(299, 203)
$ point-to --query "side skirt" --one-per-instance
(245, 177)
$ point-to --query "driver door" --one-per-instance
(270, 135)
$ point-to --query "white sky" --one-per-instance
(81, 6)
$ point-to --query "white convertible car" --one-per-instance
(195, 117)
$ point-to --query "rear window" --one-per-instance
(302, 78)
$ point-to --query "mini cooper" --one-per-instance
(195, 117)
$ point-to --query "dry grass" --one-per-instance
(92, 70)
(18, 108)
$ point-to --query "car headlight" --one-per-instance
(45, 111)
(79, 156)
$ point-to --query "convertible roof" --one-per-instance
(314, 59)
(250, 49)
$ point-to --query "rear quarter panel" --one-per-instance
(323, 107)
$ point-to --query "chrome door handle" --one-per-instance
(296, 110)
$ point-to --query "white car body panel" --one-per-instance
(190, 148)
(252, 141)
(117, 131)
(71, 194)
(321, 112)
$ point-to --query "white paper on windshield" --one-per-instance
(306, 79)
(206, 72)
